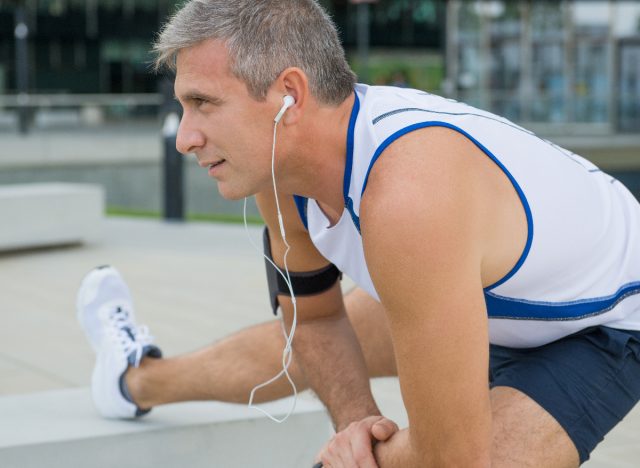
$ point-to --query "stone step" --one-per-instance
(46, 214)
(61, 429)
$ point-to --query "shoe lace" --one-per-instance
(132, 339)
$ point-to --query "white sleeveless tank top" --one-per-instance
(581, 263)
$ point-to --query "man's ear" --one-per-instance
(292, 82)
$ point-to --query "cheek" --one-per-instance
(256, 144)
(243, 136)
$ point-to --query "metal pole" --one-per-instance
(21, 33)
(173, 187)
(173, 171)
(527, 88)
(452, 45)
(612, 102)
(363, 41)
(485, 61)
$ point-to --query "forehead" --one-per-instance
(204, 64)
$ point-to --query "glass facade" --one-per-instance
(90, 59)
(102, 46)
(573, 63)
(568, 62)
(629, 85)
(83, 46)
(393, 23)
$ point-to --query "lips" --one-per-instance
(217, 163)
(211, 163)
(214, 168)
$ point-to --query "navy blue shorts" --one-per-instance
(587, 381)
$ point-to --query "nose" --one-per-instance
(188, 139)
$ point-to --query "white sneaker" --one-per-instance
(105, 312)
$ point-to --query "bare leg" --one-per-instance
(525, 435)
(228, 370)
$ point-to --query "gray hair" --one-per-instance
(264, 37)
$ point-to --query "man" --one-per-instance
(497, 273)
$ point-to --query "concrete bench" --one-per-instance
(61, 429)
(38, 215)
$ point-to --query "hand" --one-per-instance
(353, 446)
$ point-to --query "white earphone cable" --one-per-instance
(287, 351)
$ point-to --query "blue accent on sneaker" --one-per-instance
(150, 351)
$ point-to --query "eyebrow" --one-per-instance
(197, 96)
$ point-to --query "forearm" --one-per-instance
(396, 452)
(401, 452)
(331, 360)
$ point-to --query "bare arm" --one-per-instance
(325, 345)
(423, 245)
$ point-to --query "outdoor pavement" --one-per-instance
(192, 283)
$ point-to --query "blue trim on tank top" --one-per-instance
(348, 166)
(301, 202)
(346, 181)
(523, 198)
(301, 205)
(522, 309)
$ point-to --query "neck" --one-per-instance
(317, 164)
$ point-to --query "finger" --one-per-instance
(384, 429)
(341, 454)
(329, 455)
(362, 449)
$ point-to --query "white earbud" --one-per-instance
(288, 102)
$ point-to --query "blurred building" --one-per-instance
(103, 46)
(92, 57)
(83, 46)
(87, 92)
(573, 65)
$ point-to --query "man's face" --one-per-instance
(228, 130)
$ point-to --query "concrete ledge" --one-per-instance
(37, 215)
(61, 429)
(119, 145)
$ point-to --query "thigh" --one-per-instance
(368, 318)
(569, 393)
(526, 435)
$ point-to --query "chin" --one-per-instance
(229, 193)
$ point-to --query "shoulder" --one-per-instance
(424, 168)
(424, 193)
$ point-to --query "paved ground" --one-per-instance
(192, 284)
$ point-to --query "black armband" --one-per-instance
(305, 283)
